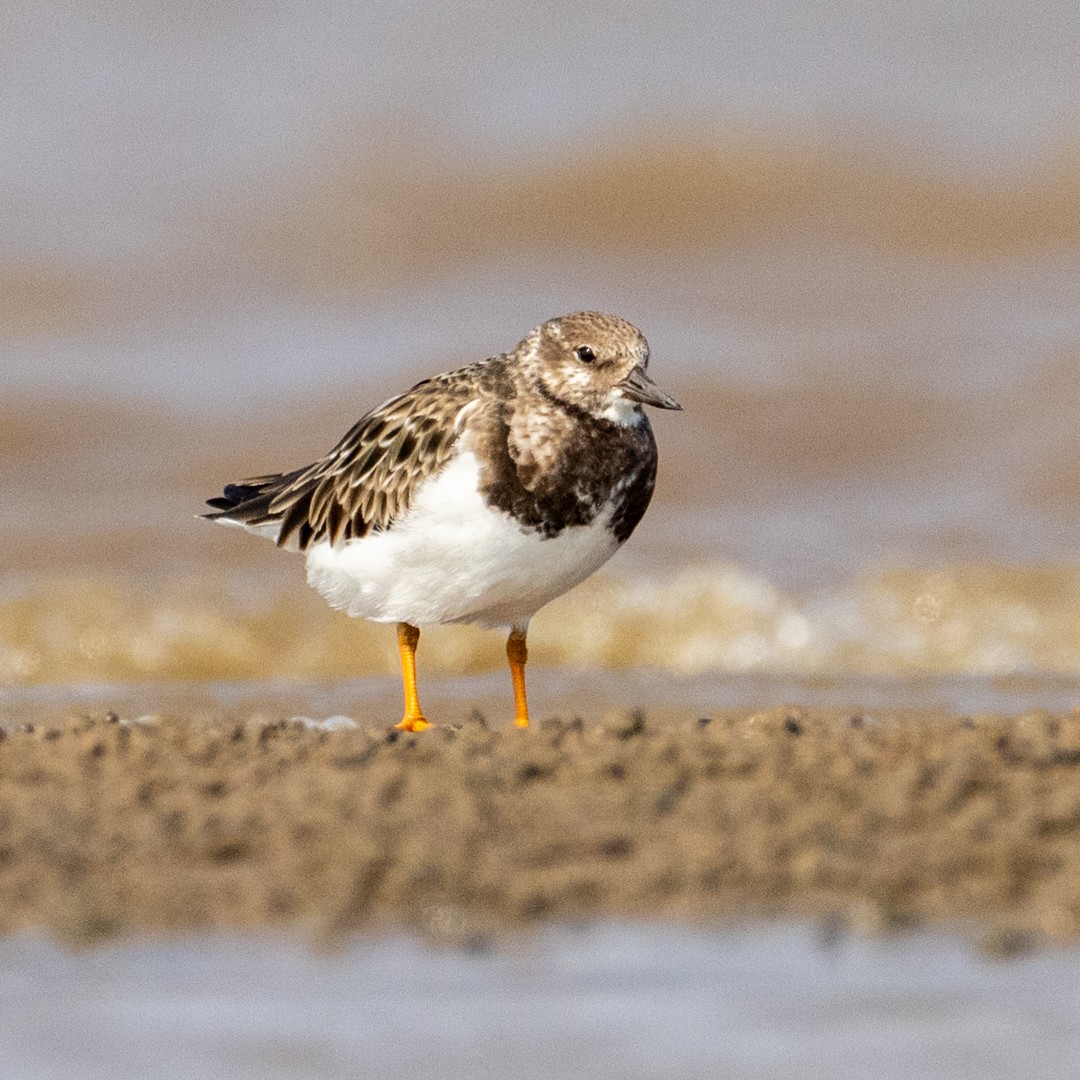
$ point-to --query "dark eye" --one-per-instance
(585, 354)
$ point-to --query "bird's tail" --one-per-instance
(247, 504)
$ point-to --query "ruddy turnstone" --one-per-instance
(478, 495)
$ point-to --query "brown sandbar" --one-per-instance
(466, 832)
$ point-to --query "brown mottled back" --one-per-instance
(369, 477)
(539, 417)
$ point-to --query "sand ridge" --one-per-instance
(465, 832)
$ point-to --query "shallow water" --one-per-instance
(610, 1001)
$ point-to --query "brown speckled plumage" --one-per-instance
(553, 466)
(537, 419)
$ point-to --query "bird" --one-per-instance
(477, 496)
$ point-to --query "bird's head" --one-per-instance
(594, 362)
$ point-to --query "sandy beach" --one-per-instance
(469, 832)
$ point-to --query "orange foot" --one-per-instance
(413, 723)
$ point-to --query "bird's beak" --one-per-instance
(637, 386)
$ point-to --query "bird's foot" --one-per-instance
(413, 723)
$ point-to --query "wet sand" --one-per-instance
(467, 833)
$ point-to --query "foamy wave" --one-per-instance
(975, 620)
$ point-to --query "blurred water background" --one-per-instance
(851, 234)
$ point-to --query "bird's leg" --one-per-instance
(517, 654)
(407, 637)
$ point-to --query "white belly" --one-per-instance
(452, 558)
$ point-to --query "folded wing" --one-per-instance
(367, 481)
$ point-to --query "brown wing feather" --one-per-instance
(367, 480)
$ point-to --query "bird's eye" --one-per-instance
(585, 354)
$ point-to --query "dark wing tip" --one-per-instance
(234, 495)
(243, 502)
(238, 493)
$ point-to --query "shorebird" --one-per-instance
(477, 496)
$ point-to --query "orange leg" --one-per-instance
(407, 637)
(517, 654)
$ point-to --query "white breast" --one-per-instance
(452, 558)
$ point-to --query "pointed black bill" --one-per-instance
(637, 386)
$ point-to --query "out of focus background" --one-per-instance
(850, 232)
